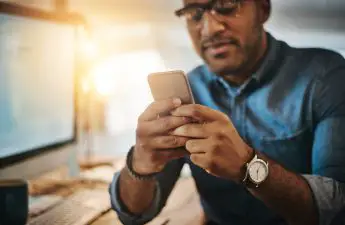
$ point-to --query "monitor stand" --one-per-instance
(44, 163)
(73, 167)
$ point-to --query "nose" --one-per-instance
(211, 26)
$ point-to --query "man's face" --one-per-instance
(228, 43)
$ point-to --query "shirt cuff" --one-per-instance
(329, 196)
(125, 216)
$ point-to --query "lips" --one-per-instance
(217, 43)
(218, 47)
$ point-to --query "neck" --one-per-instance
(238, 79)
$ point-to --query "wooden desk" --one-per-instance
(183, 207)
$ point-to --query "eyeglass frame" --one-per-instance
(205, 7)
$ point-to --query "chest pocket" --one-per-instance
(292, 151)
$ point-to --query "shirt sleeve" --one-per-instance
(327, 181)
(164, 184)
(329, 196)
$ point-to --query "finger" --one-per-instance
(200, 160)
(173, 154)
(200, 113)
(167, 142)
(162, 125)
(159, 107)
(193, 130)
(203, 161)
(196, 146)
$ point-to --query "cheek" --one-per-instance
(245, 27)
(195, 38)
(244, 34)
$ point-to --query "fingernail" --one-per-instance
(177, 101)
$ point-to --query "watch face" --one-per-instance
(258, 171)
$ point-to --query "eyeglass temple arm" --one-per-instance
(206, 6)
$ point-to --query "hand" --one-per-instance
(216, 146)
(154, 145)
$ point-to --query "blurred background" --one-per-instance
(128, 39)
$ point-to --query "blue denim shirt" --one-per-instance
(293, 110)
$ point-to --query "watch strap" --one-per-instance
(132, 173)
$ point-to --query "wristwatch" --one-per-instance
(256, 172)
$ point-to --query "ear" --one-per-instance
(265, 9)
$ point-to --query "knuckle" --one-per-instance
(163, 105)
(143, 146)
(223, 129)
(164, 123)
(218, 123)
(178, 121)
(172, 122)
(152, 105)
(159, 142)
(210, 165)
(182, 141)
(195, 111)
(140, 118)
(205, 129)
(172, 141)
(218, 136)
(142, 130)
(139, 131)
(224, 118)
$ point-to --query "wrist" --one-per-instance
(145, 174)
(141, 165)
(249, 156)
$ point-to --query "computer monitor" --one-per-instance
(37, 91)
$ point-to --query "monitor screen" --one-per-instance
(36, 84)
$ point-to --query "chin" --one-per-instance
(224, 68)
(226, 64)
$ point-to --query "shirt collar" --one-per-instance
(269, 59)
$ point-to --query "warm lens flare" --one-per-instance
(125, 73)
(88, 48)
(103, 79)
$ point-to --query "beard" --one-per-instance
(236, 58)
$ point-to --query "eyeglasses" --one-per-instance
(194, 12)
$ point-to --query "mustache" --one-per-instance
(217, 40)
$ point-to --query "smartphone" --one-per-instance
(171, 84)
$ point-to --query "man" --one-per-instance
(264, 141)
